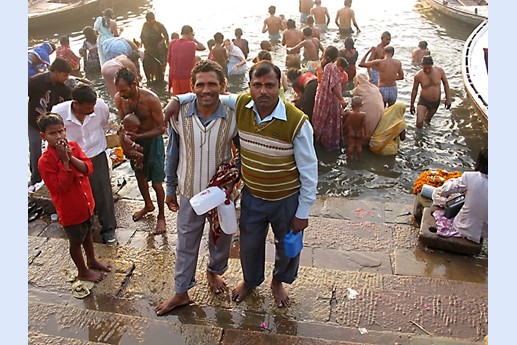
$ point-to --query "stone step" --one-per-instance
(385, 302)
(37, 338)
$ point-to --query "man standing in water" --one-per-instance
(429, 78)
(280, 174)
(290, 38)
(377, 54)
(273, 24)
(321, 16)
(344, 19)
(390, 70)
(305, 9)
(146, 105)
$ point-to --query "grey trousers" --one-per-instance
(34, 154)
(256, 216)
(103, 195)
(190, 230)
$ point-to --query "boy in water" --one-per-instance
(65, 169)
(131, 123)
(353, 128)
(418, 53)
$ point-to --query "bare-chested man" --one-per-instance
(305, 9)
(321, 16)
(378, 53)
(273, 24)
(390, 70)
(220, 53)
(344, 19)
(418, 53)
(144, 103)
(310, 24)
(311, 48)
(429, 78)
(290, 38)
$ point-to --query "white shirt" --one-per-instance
(472, 220)
(91, 134)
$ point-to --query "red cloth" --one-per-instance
(326, 116)
(69, 56)
(70, 191)
(225, 174)
(182, 58)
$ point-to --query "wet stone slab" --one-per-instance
(34, 247)
(347, 235)
(235, 337)
(115, 328)
(53, 265)
(352, 260)
(450, 316)
(37, 338)
(353, 210)
(440, 265)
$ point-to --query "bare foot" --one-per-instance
(140, 214)
(91, 276)
(216, 282)
(281, 298)
(177, 300)
(161, 227)
(96, 264)
(240, 292)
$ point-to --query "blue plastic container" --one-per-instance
(293, 243)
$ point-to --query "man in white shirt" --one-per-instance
(86, 121)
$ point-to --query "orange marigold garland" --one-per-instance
(433, 178)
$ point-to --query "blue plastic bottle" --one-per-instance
(293, 243)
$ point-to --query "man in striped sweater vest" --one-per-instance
(200, 140)
(280, 173)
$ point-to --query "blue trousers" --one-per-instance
(256, 216)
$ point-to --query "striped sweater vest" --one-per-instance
(268, 167)
(202, 149)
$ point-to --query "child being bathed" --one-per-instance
(131, 124)
(65, 169)
(353, 128)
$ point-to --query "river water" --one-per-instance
(451, 142)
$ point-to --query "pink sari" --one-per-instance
(326, 116)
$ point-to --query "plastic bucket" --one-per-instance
(427, 191)
(227, 217)
(207, 199)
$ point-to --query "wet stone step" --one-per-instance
(113, 328)
(37, 338)
(385, 302)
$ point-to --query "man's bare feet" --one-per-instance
(240, 291)
(91, 276)
(216, 282)
(281, 298)
(140, 214)
(161, 227)
(177, 300)
(96, 264)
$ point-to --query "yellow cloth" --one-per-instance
(385, 139)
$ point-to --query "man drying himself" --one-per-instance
(429, 78)
(200, 145)
(146, 105)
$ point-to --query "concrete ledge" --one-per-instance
(430, 239)
(418, 207)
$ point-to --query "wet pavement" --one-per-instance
(406, 294)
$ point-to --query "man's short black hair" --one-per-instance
(262, 68)
(186, 29)
(208, 66)
(60, 65)
(84, 93)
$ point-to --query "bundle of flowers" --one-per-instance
(434, 178)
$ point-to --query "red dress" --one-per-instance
(326, 115)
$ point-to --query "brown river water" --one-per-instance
(451, 142)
